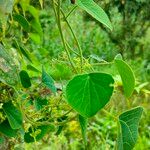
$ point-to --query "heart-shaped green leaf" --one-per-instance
(127, 76)
(14, 116)
(128, 134)
(88, 93)
(95, 11)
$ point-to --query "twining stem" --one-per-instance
(69, 47)
(57, 15)
(74, 36)
(71, 11)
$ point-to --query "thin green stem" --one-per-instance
(61, 33)
(103, 63)
(74, 36)
(72, 49)
(71, 11)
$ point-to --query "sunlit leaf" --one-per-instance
(128, 133)
(88, 93)
(127, 76)
(14, 115)
(95, 11)
(35, 37)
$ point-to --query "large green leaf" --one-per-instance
(8, 69)
(7, 130)
(88, 93)
(48, 81)
(14, 116)
(83, 124)
(25, 79)
(128, 134)
(127, 76)
(95, 11)
(39, 133)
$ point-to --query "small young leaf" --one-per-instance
(48, 81)
(33, 11)
(83, 124)
(25, 79)
(32, 68)
(128, 133)
(14, 116)
(127, 76)
(22, 21)
(44, 129)
(95, 11)
(7, 130)
(88, 93)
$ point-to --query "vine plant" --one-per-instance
(87, 92)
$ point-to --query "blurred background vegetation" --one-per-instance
(130, 37)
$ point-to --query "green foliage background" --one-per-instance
(34, 41)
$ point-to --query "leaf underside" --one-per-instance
(95, 11)
(127, 77)
(128, 133)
